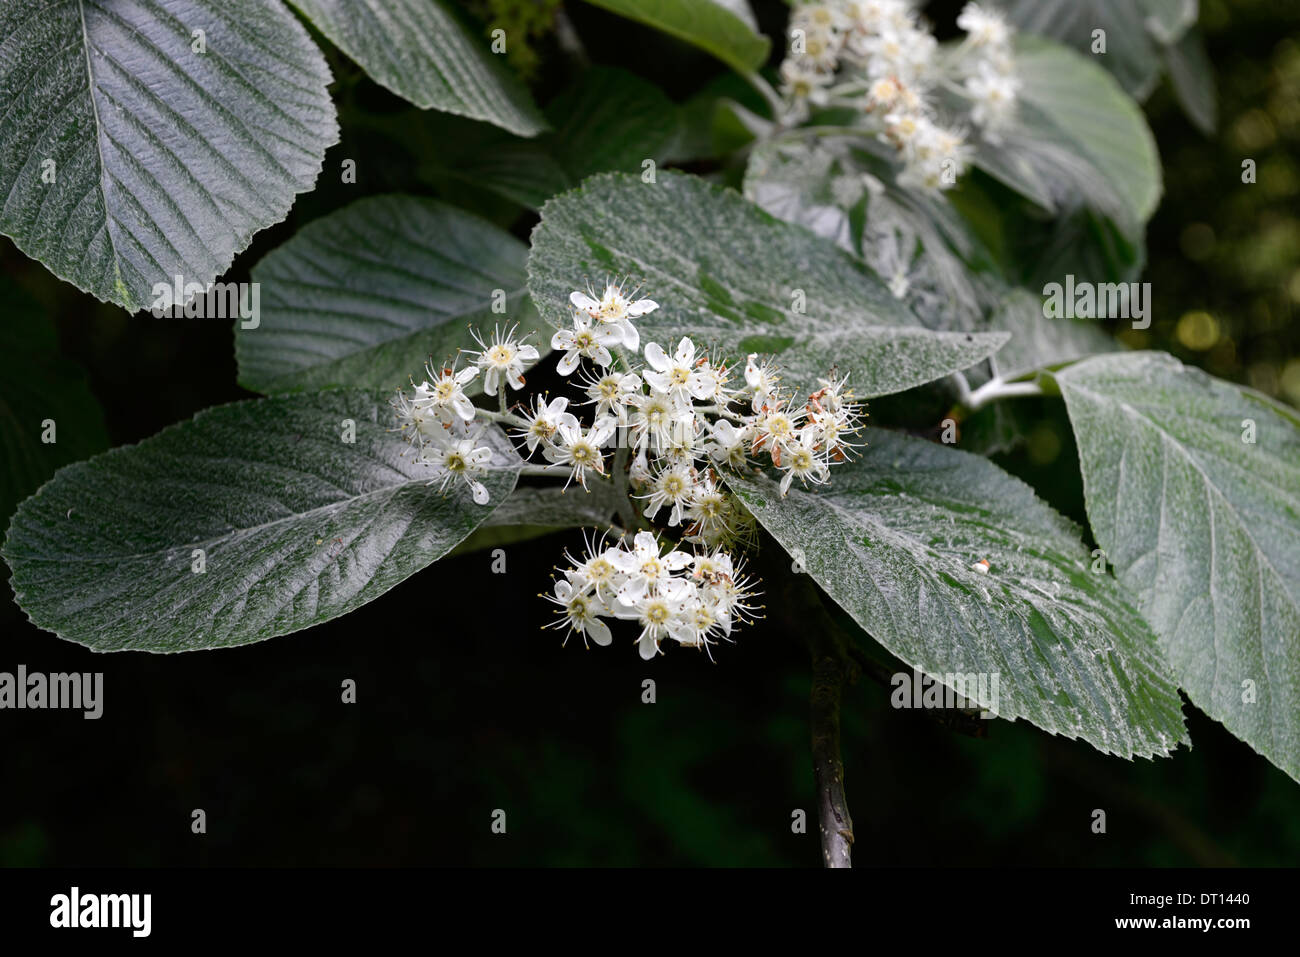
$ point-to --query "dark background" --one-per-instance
(462, 710)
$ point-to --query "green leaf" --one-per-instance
(533, 512)
(1076, 137)
(1204, 528)
(893, 539)
(708, 24)
(165, 161)
(730, 275)
(365, 296)
(296, 526)
(423, 52)
(610, 120)
(821, 181)
(1141, 37)
(1038, 342)
(1129, 55)
(1169, 20)
(1191, 74)
(38, 385)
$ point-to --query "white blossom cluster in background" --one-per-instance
(877, 56)
(661, 425)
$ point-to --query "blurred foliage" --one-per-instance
(525, 22)
(459, 714)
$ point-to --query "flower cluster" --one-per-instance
(877, 57)
(663, 426)
(436, 418)
(687, 598)
(680, 416)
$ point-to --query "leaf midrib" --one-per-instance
(99, 153)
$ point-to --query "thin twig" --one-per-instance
(830, 673)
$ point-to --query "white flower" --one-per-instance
(761, 378)
(803, 83)
(460, 459)
(503, 358)
(801, 459)
(587, 338)
(673, 486)
(615, 310)
(731, 591)
(708, 509)
(611, 392)
(774, 429)
(580, 450)
(727, 443)
(657, 420)
(659, 615)
(596, 572)
(638, 472)
(872, 16)
(581, 611)
(699, 620)
(902, 52)
(984, 28)
(647, 571)
(676, 375)
(544, 420)
(445, 397)
(715, 377)
(994, 95)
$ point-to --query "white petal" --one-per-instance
(655, 355)
(659, 381)
(599, 631)
(463, 407)
(583, 301)
(568, 363)
(480, 492)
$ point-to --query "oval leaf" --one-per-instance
(707, 24)
(1076, 136)
(249, 521)
(1193, 489)
(893, 539)
(422, 51)
(127, 157)
(365, 296)
(732, 276)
